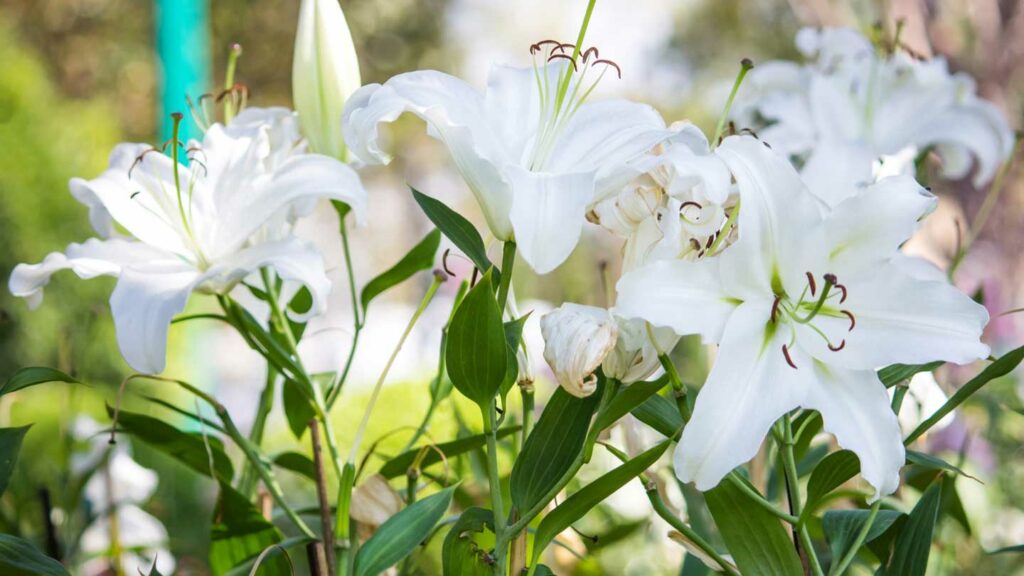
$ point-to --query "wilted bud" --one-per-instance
(374, 501)
(576, 341)
(325, 72)
(635, 357)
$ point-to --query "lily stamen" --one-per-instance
(789, 360)
(853, 320)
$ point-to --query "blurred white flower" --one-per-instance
(198, 227)
(136, 530)
(130, 483)
(805, 306)
(374, 501)
(576, 341)
(535, 154)
(325, 72)
(854, 112)
(924, 396)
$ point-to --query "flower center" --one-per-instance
(812, 304)
(560, 100)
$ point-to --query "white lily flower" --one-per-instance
(805, 307)
(850, 114)
(130, 483)
(578, 339)
(197, 227)
(535, 157)
(924, 397)
(325, 72)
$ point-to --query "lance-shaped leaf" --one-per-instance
(914, 542)
(831, 473)
(461, 554)
(297, 463)
(756, 539)
(402, 533)
(240, 534)
(551, 448)
(626, 400)
(31, 376)
(10, 445)
(581, 502)
(661, 414)
(398, 465)
(19, 558)
(895, 373)
(477, 351)
(202, 453)
(459, 230)
(421, 257)
(843, 526)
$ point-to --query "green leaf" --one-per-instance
(459, 230)
(461, 554)
(895, 373)
(997, 369)
(543, 570)
(513, 337)
(298, 409)
(188, 448)
(581, 502)
(477, 352)
(398, 465)
(10, 445)
(26, 377)
(628, 398)
(1017, 548)
(914, 542)
(842, 527)
(240, 533)
(831, 473)
(756, 539)
(661, 414)
(298, 463)
(421, 257)
(278, 551)
(553, 445)
(402, 533)
(935, 463)
(19, 558)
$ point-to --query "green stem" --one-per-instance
(745, 66)
(847, 559)
(563, 82)
(527, 394)
(793, 479)
(726, 229)
(343, 524)
(494, 481)
(248, 480)
(229, 81)
(508, 260)
(678, 387)
(358, 321)
(760, 500)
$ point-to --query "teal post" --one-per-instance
(183, 48)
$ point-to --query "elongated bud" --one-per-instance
(374, 501)
(325, 72)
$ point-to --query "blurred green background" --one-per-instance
(78, 76)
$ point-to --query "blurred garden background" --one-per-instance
(78, 76)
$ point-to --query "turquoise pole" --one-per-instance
(183, 49)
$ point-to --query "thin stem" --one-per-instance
(847, 559)
(678, 387)
(229, 81)
(793, 481)
(726, 229)
(527, 393)
(760, 500)
(494, 481)
(321, 492)
(745, 66)
(248, 479)
(508, 259)
(357, 319)
(563, 83)
(438, 279)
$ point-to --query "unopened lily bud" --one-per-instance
(576, 341)
(325, 72)
(374, 501)
(635, 356)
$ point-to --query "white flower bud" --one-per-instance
(325, 72)
(635, 357)
(576, 341)
(374, 501)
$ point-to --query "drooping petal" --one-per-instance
(900, 319)
(146, 298)
(778, 219)
(548, 212)
(635, 356)
(291, 259)
(976, 129)
(866, 230)
(837, 170)
(750, 386)
(455, 114)
(88, 260)
(855, 409)
(576, 341)
(685, 296)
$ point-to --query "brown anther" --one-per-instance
(711, 240)
(853, 320)
(618, 71)
(749, 131)
(476, 274)
(843, 289)
(586, 53)
(732, 128)
(775, 307)
(690, 203)
(138, 160)
(811, 283)
(444, 261)
(837, 348)
(177, 116)
(789, 360)
(831, 278)
(695, 243)
(564, 57)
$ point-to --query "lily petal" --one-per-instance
(548, 214)
(837, 170)
(685, 296)
(749, 388)
(855, 409)
(975, 129)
